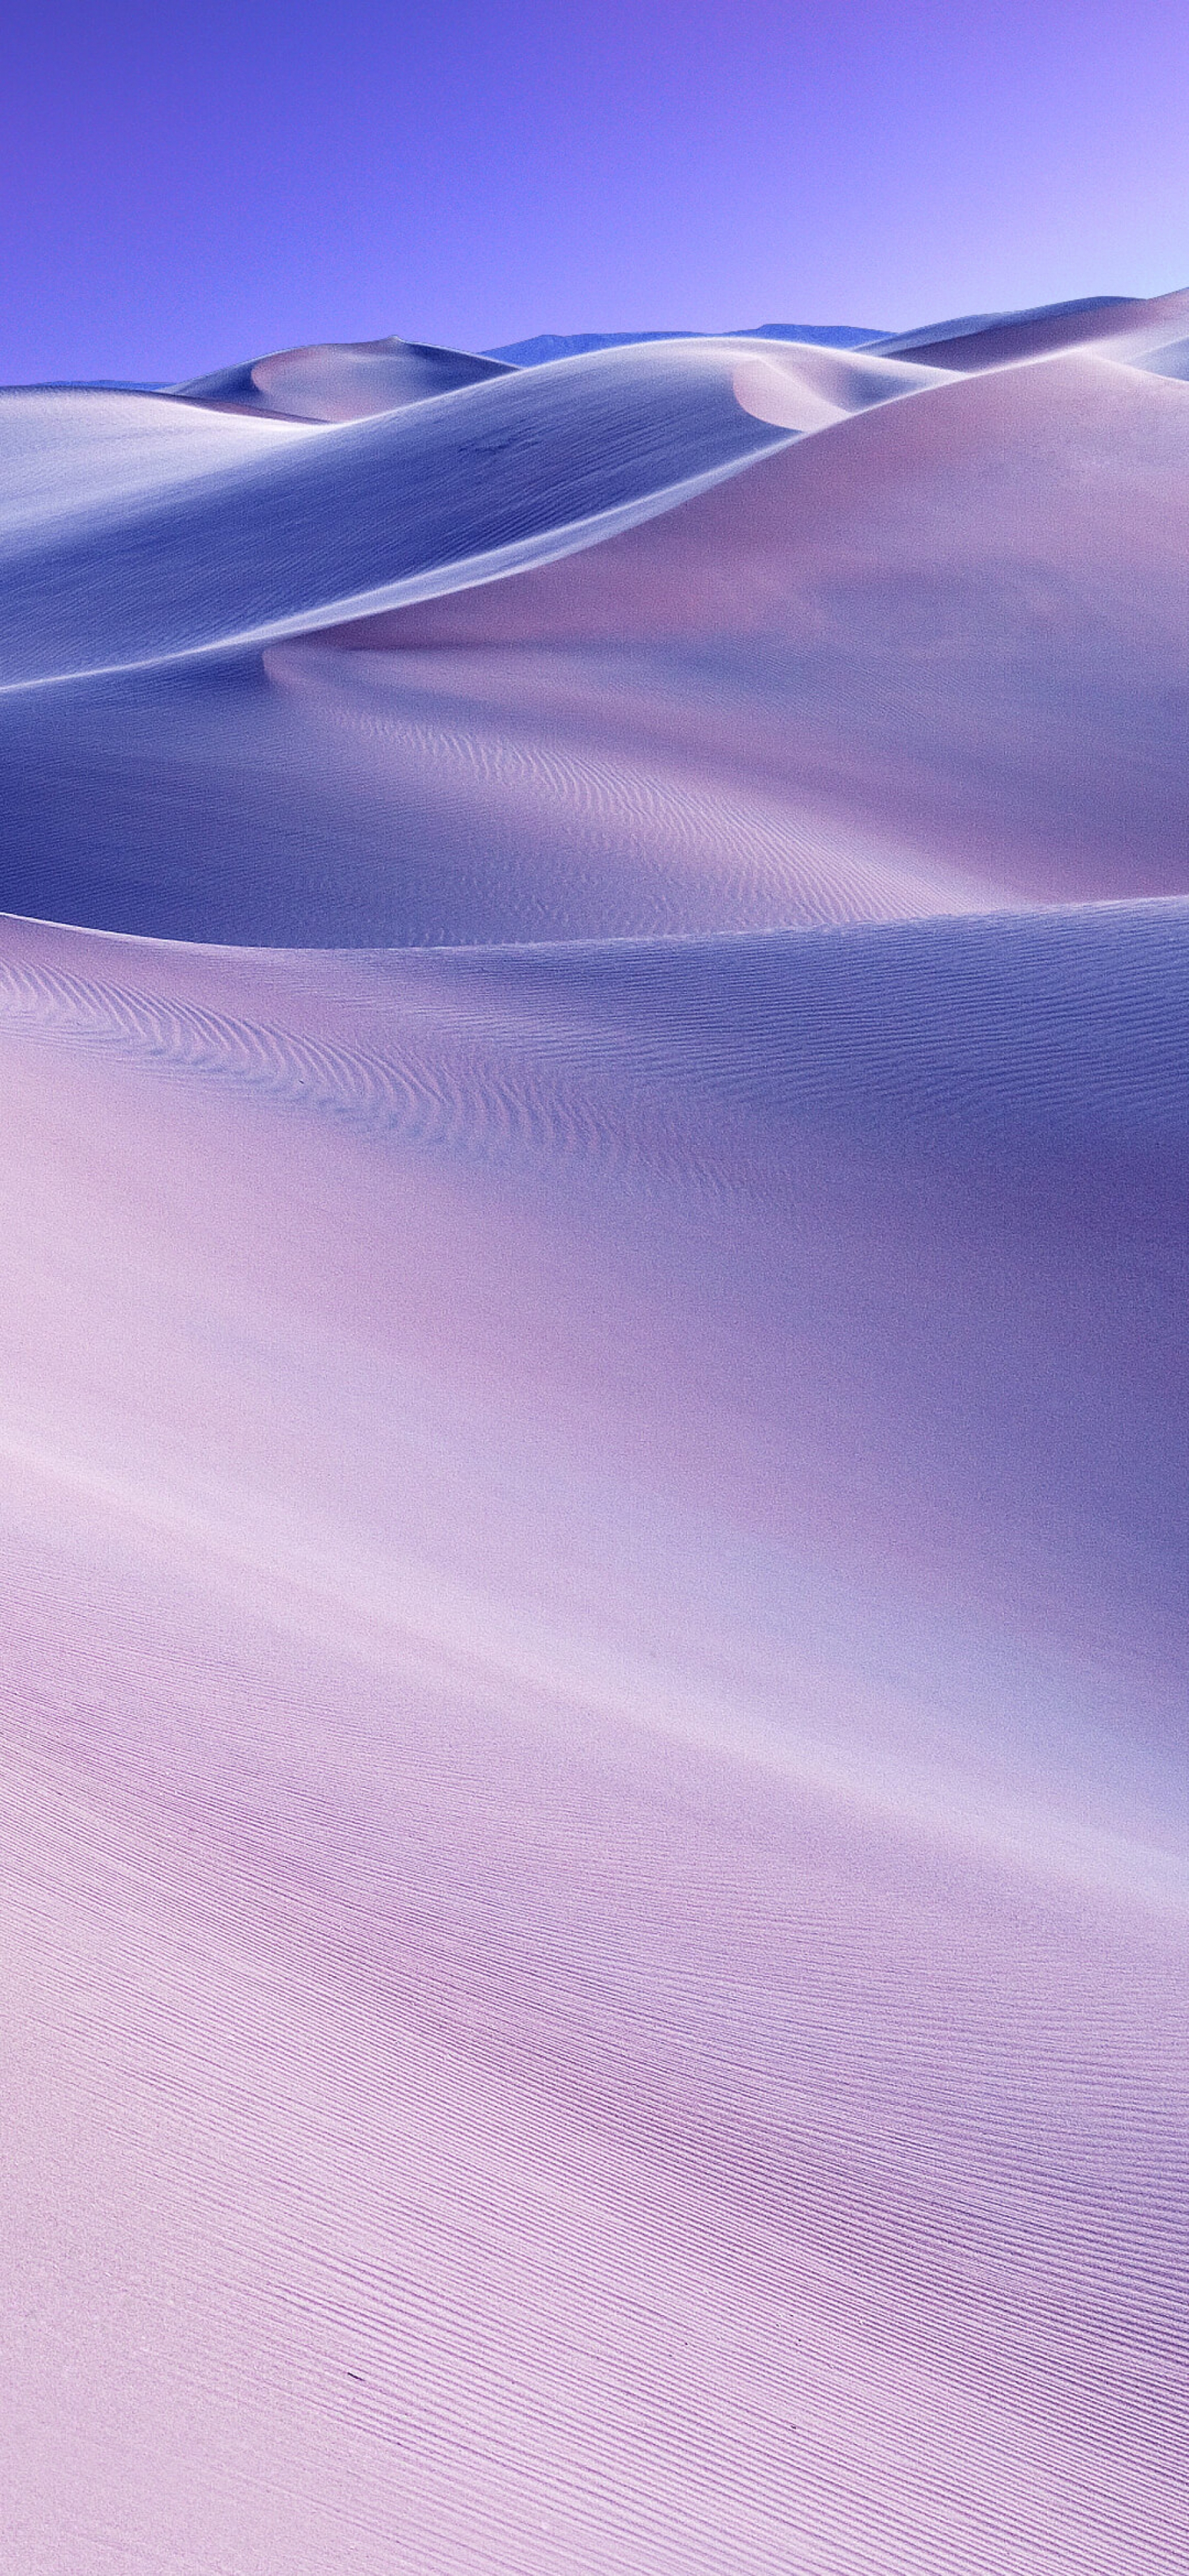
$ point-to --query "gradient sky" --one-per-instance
(189, 184)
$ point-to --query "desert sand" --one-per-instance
(593, 1402)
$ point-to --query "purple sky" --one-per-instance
(189, 184)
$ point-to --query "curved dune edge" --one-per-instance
(339, 520)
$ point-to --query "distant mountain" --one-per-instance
(576, 344)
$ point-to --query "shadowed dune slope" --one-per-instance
(976, 340)
(1002, 339)
(333, 799)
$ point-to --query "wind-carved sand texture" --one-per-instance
(593, 1023)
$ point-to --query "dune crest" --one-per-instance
(340, 380)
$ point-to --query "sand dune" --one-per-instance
(71, 456)
(928, 659)
(960, 619)
(300, 531)
(735, 1886)
(976, 340)
(304, 529)
(340, 380)
(595, 1440)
